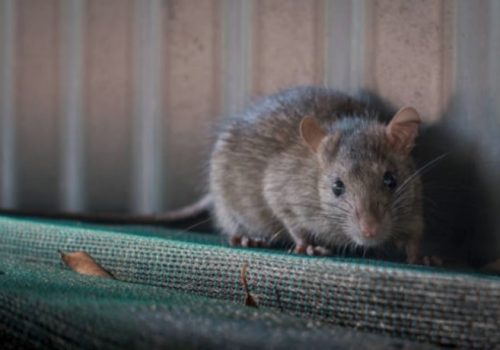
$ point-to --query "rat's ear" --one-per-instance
(403, 129)
(312, 132)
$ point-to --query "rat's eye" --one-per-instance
(389, 180)
(338, 188)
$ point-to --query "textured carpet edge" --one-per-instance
(423, 304)
(91, 312)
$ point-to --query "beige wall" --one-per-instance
(111, 105)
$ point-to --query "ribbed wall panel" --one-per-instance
(108, 106)
(8, 151)
(37, 98)
(111, 105)
(192, 78)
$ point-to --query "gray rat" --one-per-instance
(315, 168)
(311, 167)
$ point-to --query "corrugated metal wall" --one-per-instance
(110, 105)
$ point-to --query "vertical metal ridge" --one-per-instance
(71, 143)
(475, 118)
(345, 44)
(493, 147)
(471, 65)
(148, 109)
(7, 105)
(448, 61)
(476, 84)
(337, 37)
(237, 55)
(494, 81)
(357, 50)
(319, 41)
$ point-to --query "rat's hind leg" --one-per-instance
(312, 250)
(414, 255)
(237, 234)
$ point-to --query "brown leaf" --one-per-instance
(84, 264)
(249, 299)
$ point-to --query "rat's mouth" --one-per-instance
(370, 241)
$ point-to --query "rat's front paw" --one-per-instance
(311, 250)
(425, 260)
(245, 241)
(432, 260)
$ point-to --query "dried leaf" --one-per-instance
(84, 264)
(249, 299)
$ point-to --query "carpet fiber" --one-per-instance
(183, 290)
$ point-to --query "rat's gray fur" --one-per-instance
(267, 184)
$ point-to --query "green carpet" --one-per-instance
(183, 290)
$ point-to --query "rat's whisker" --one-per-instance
(420, 171)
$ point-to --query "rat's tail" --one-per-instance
(204, 204)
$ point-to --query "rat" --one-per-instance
(311, 167)
(315, 168)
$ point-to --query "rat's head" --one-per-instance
(364, 165)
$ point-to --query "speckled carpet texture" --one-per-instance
(184, 290)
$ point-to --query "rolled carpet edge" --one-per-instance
(424, 304)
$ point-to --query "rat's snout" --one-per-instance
(369, 226)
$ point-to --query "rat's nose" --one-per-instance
(369, 231)
(369, 228)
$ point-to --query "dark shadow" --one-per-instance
(452, 192)
(458, 228)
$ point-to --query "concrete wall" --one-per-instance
(110, 105)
